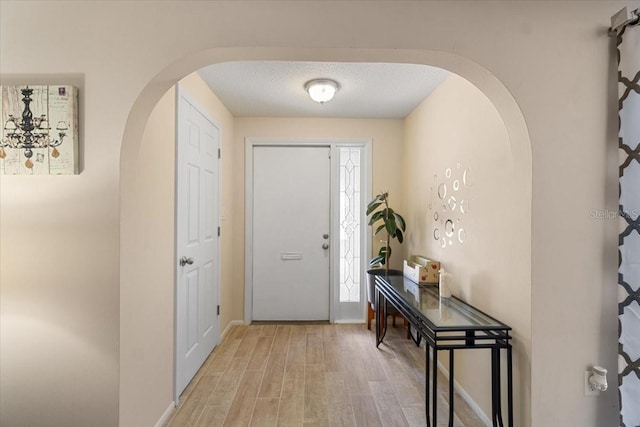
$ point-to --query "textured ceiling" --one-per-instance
(276, 88)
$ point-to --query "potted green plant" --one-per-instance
(385, 219)
(389, 222)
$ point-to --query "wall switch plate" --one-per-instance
(588, 391)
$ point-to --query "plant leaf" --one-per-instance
(379, 260)
(391, 226)
(383, 251)
(400, 221)
(376, 199)
(372, 207)
(399, 235)
(376, 216)
(380, 227)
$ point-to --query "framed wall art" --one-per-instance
(39, 130)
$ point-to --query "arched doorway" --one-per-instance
(139, 335)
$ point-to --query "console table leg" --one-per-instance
(381, 317)
(417, 339)
(377, 304)
(494, 399)
(499, 385)
(510, 385)
(383, 322)
(427, 368)
(434, 389)
(496, 394)
(451, 387)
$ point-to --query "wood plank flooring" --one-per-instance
(313, 375)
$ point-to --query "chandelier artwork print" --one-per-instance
(39, 130)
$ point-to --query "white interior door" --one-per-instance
(291, 225)
(197, 220)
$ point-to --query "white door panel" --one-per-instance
(291, 211)
(197, 329)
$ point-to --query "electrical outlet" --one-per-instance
(588, 390)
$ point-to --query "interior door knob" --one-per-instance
(325, 246)
(184, 261)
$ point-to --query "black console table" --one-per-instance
(446, 324)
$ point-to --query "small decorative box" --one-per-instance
(421, 270)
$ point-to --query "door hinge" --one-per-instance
(218, 310)
(219, 153)
(218, 231)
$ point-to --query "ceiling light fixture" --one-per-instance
(322, 90)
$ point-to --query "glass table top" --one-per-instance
(443, 313)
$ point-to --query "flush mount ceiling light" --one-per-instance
(322, 90)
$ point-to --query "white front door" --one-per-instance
(197, 198)
(291, 226)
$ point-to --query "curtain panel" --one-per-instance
(628, 50)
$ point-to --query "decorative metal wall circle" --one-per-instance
(453, 190)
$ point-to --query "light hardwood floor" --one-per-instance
(313, 375)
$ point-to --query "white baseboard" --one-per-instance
(229, 326)
(167, 414)
(474, 406)
(350, 321)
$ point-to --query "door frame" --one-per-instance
(181, 92)
(334, 144)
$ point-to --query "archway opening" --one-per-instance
(514, 159)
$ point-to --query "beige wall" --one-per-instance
(146, 366)
(458, 128)
(147, 356)
(545, 66)
(386, 137)
(59, 303)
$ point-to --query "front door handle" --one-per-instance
(184, 261)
